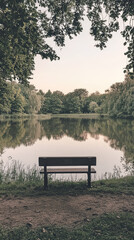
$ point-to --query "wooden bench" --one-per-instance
(67, 161)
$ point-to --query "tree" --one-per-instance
(93, 106)
(52, 104)
(33, 98)
(5, 97)
(81, 94)
(59, 94)
(26, 25)
(48, 94)
(34, 102)
(17, 105)
(71, 104)
(120, 99)
(56, 104)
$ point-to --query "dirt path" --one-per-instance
(60, 210)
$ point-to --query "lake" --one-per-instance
(111, 141)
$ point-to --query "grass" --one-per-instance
(35, 188)
(123, 185)
(49, 116)
(16, 180)
(19, 116)
(107, 227)
(80, 115)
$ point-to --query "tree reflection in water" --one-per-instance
(119, 134)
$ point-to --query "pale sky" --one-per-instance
(82, 65)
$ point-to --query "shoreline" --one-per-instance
(4, 117)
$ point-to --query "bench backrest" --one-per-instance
(67, 161)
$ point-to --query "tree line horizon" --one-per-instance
(117, 101)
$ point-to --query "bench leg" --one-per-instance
(45, 178)
(89, 176)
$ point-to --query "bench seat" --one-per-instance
(67, 170)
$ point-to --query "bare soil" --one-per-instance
(68, 211)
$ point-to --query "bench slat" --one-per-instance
(68, 170)
(67, 161)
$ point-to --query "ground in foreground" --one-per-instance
(95, 214)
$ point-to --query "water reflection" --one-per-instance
(119, 134)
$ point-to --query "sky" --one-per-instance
(82, 65)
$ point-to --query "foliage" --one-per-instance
(120, 99)
(11, 99)
(26, 25)
(16, 98)
(72, 104)
(103, 27)
(5, 97)
(52, 104)
(22, 38)
(57, 102)
(93, 107)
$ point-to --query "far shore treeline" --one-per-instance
(118, 101)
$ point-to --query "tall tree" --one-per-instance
(71, 104)
(52, 104)
(5, 97)
(93, 106)
(18, 102)
(120, 99)
(81, 94)
(26, 25)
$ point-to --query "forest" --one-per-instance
(117, 101)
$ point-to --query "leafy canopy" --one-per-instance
(25, 26)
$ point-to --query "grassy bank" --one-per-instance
(49, 116)
(107, 227)
(81, 115)
(24, 116)
(15, 179)
(35, 188)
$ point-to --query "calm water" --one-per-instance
(111, 141)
